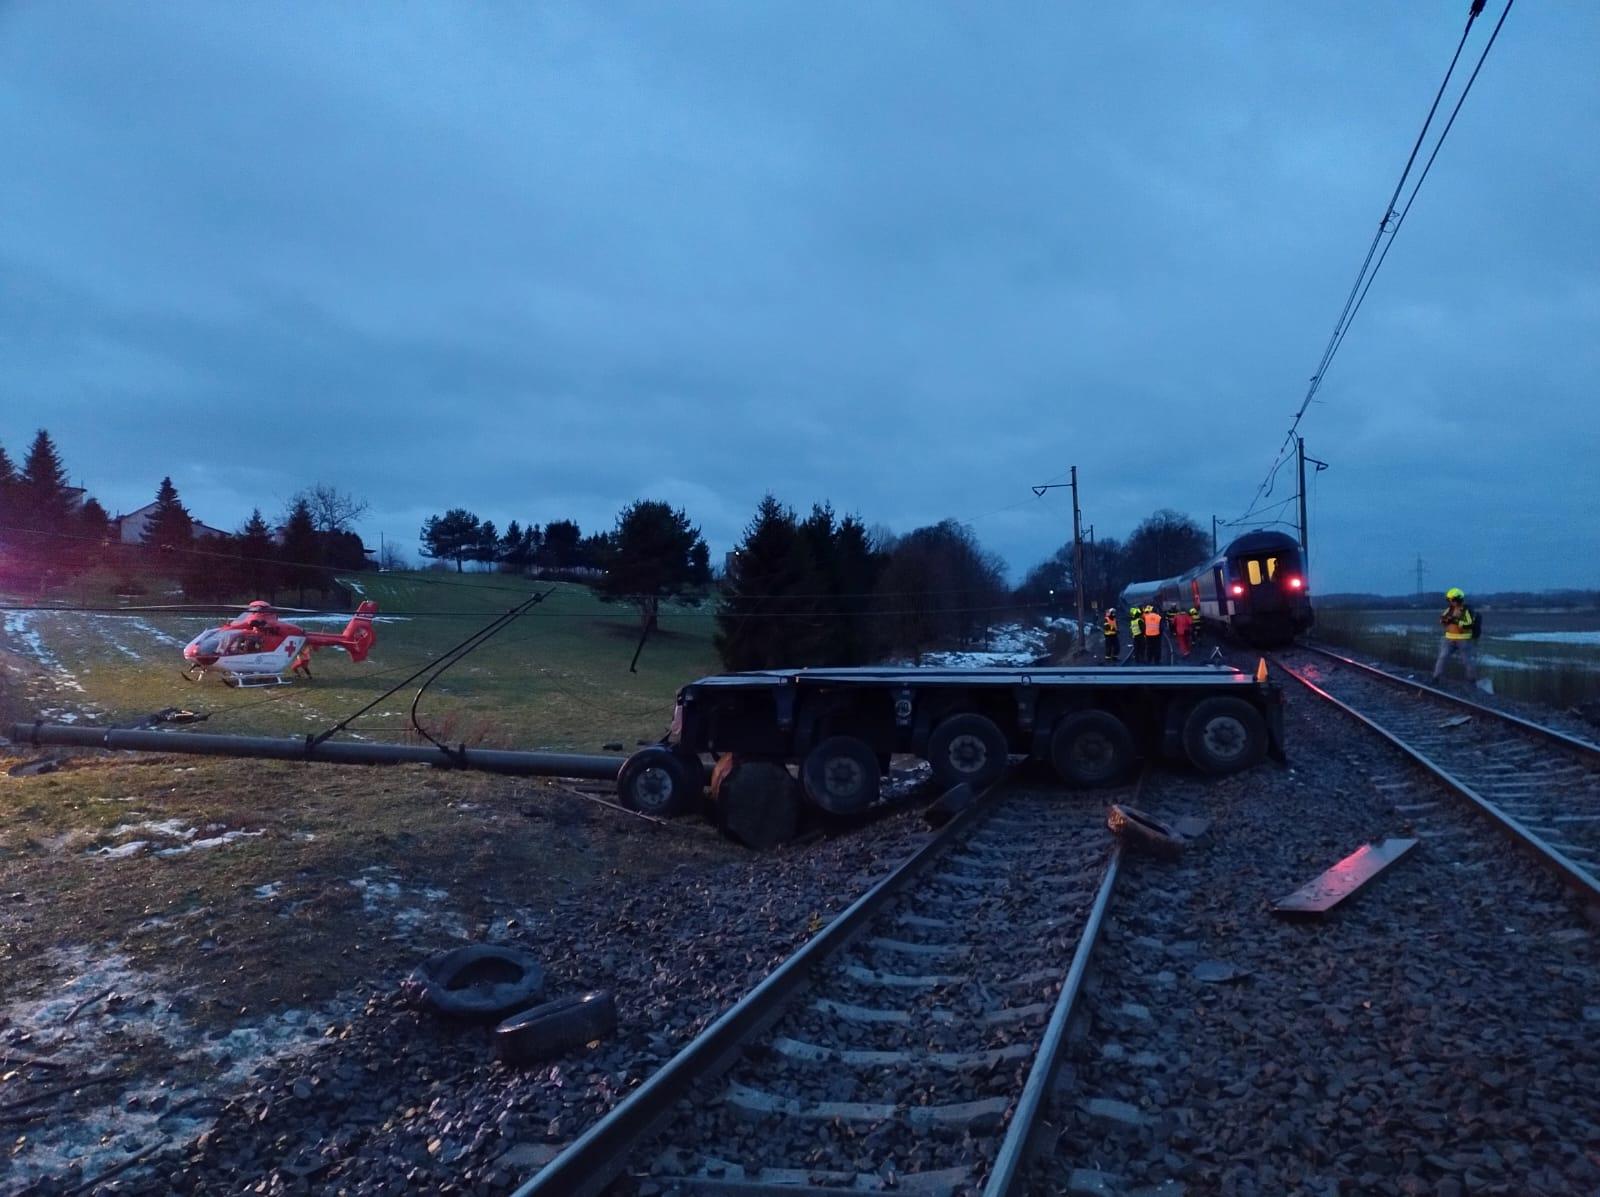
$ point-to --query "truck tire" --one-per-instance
(482, 982)
(967, 748)
(1091, 748)
(694, 774)
(756, 801)
(841, 775)
(556, 1027)
(1224, 735)
(653, 782)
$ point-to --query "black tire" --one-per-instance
(967, 748)
(1091, 748)
(756, 801)
(482, 982)
(841, 775)
(1143, 833)
(556, 1027)
(653, 782)
(1224, 735)
(695, 774)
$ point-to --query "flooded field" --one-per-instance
(1542, 655)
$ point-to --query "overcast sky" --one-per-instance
(540, 260)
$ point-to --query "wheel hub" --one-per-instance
(842, 777)
(969, 753)
(1225, 736)
(654, 787)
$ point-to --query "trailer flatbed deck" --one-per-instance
(839, 727)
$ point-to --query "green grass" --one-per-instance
(1549, 671)
(556, 678)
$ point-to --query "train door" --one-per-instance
(1224, 603)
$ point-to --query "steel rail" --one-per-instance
(1007, 1177)
(1575, 743)
(1570, 870)
(588, 1164)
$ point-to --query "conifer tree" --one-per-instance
(170, 527)
(42, 490)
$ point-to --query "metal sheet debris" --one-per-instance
(1335, 885)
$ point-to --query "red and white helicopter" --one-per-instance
(257, 648)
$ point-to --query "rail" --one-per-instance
(1575, 874)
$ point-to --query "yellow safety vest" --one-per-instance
(1134, 622)
(1460, 630)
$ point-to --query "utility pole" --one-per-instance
(1089, 564)
(1213, 536)
(1421, 569)
(1077, 549)
(1300, 452)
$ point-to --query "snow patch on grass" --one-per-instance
(1007, 645)
(410, 909)
(109, 1123)
(19, 625)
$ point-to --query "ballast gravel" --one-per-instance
(1436, 1034)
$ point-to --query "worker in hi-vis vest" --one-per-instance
(1136, 631)
(1108, 629)
(1460, 630)
(1152, 635)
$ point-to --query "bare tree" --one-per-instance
(391, 557)
(332, 510)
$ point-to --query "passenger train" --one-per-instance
(1256, 588)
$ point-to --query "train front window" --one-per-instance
(1272, 567)
(1253, 568)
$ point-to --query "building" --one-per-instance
(130, 528)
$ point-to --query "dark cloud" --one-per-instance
(911, 259)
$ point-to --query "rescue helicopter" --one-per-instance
(257, 648)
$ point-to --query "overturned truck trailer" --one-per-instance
(840, 727)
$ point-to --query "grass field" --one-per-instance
(1542, 656)
(556, 678)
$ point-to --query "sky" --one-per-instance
(909, 258)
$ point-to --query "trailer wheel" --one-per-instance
(1091, 748)
(756, 801)
(694, 773)
(653, 782)
(841, 775)
(967, 748)
(1224, 735)
(556, 1027)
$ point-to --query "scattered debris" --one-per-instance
(482, 981)
(1457, 721)
(1336, 884)
(556, 1027)
(1219, 972)
(86, 1003)
(1142, 832)
(35, 767)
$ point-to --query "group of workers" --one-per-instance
(1148, 627)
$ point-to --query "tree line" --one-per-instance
(54, 532)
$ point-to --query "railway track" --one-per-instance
(909, 1046)
(1539, 785)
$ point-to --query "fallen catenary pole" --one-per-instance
(487, 760)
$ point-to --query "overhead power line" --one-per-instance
(1382, 240)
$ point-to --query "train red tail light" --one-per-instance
(1297, 583)
(1236, 589)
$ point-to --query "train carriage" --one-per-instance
(1256, 587)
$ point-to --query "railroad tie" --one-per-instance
(957, 1114)
(811, 1053)
(958, 951)
(872, 976)
(719, 1177)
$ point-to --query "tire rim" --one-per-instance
(1226, 738)
(968, 753)
(842, 777)
(1093, 754)
(653, 790)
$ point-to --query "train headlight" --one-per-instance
(1236, 590)
(1296, 583)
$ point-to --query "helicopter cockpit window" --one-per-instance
(209, 643)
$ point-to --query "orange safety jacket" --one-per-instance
(1152, 623)
(1457, 625)
(1109, 626)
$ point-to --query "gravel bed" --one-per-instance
(1015, 919)
(397, 1100)
(1584, 723)
(1554, 791)
(1439, 1033)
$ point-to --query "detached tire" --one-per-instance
(556, 1027)
(1224, 735)
(653, 781)
(967, 748)
(1091, 748)
(482, 982)
(841, 775)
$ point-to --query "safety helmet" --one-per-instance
(1454, 592)
(1149, 607)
